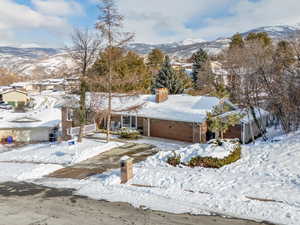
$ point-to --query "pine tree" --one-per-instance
(168, 78)
(237, 41)
(199, 59)
(155, 59)
(263, 37)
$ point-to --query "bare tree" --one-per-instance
(244, 65)
(84, 51)
(110, 23)
(266, 76)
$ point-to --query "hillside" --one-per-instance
(48, 61)
(41, 62)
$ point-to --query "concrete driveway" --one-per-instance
(106, 161)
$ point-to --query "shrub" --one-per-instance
(174, 160)
(129, 134)
(210, 162)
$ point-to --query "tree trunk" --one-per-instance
(261, 130)
(109, 91)
(80, 133)
(82, 109)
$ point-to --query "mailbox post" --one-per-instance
(126, 164)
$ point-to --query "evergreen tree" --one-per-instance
(263, 37)
(199, 59)
(284, 55)
(168, 78)
(130, 72)
(237, 41)
(185, 78)
(155, 59)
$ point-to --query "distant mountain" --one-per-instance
(38, 62)
(49, 61)
(190, 41)
(29, 52)
(186, 49)
(277, 32)
(182, 49)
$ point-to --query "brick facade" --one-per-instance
(176, 130)
(66, 124)
(233, 132)
(161, 94)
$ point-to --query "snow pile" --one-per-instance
(25, 171)
(58, 153)
(263, 185)
(2, 148)
(202, 150)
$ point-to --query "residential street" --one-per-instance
(28, 204)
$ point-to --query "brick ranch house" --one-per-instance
(177, 117)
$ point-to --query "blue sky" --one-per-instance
(48, 23)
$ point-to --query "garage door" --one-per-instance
(171, 130)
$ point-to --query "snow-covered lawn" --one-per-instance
(263, 185)
(27, 171)
(62, 153)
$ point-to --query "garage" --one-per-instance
(181, 131)
(36, 134)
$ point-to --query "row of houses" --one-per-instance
(177, 117)
(63, 84)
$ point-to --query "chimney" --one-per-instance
(161, 94)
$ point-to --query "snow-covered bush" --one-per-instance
(174, 160)
(129, 133)
(215, 154)
(211, 162)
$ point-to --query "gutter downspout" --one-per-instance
(243, 132)
(148, 120)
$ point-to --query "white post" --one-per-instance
(243, 132)
(148, 127)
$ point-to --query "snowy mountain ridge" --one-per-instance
(50, 61)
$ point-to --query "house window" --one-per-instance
(129, 122)
(70, 114)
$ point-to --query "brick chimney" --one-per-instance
(161, 94)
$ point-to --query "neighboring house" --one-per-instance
(4, 88)
(178, 117)
(15, 97)
(222, 74)
(27, 86)
(55, 85)
(27, 128)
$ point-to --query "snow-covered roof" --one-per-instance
(14, 90)
(185, 108)
(21, 84)
(4, 88)
(44, 119)
(217, 68)
(247, 116)
(25, 119)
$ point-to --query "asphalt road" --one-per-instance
(28, 204)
